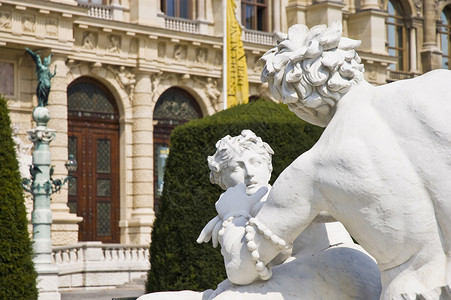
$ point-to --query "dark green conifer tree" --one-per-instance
(17, 273)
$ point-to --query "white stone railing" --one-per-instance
(179, 24)
(93, 264)
(97, 11)
(259, 37)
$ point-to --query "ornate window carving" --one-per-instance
(174, 107)
(86, 98)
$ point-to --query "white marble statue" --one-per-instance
(322, 263)
(382, 166)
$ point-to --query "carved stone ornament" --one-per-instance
(89, 40)
(418, 6)
(201, 55)
(114, 43)
(179, 52)
(5, 20)
(210, 87)
(28, 23)
(125, 79)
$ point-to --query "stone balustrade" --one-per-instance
(183, 25)
(96, 10)
(93, 264)
(259, 37)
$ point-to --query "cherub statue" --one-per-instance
(44, 76)
(322, 263)
(381, 167)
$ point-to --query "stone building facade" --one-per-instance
(129, 71)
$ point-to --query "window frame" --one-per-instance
(255, 5)
(444, 29)
(398, 21)
(177, 9)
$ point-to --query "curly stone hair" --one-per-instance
(310, 70)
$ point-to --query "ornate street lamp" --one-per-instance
(42, 185)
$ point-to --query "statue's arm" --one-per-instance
(248, 245)
(294, 201)
(33, 55)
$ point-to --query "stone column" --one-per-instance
(413, 49)
(276, 16)
(65, 224)
(142, 216)
(431, 55)
(369, 4)
(201, 10)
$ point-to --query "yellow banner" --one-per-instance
(237, 83)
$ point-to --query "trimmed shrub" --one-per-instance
(187, 203)
(17, 273)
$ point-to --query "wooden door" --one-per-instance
(95, 194)
(93, 139)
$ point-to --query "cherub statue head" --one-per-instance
(310, 70)
(241, 159)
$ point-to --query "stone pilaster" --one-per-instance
(370, 4)
(145, 12)
(276, 15)
(431, 55)
(296, 12)
(369, 27)
(65, 224)
(324, 12)
(139, 226)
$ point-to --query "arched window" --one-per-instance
(445, 34)
(174, 107)
(178, 8)
(397, 37)
(254, 14)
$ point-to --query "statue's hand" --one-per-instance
(235, 201)
(210, 231)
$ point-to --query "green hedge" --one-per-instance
(17, 273)
(187, 203)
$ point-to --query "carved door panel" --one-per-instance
(95, 193)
